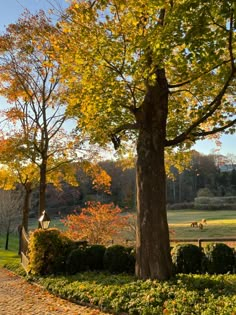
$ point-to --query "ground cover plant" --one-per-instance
(123, 294)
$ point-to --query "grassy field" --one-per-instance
(219, 223)
(10, 255)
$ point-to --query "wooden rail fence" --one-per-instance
(204, 240)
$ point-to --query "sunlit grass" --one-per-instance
(219, 223)
(210, 230)
(187, 216)
(8, 256)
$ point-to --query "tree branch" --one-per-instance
(171, 86)
(117, 139)
(215, 130)
(211, 108)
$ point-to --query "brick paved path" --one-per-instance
(18, 297)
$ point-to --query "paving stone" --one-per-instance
(18, 297)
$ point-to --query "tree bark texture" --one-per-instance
(152, 238)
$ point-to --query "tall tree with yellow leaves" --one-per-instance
(161, 73)
(35, 115)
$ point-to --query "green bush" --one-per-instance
(48, 250)
(187, 258)
(118, 259)
(95, 254)
(76, 261)
(219, 258)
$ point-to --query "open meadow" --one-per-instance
(218, 223)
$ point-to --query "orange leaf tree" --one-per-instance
(98, 223)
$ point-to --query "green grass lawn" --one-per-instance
(219, 223)
(8, 256)
(187, 216)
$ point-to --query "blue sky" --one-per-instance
(11, 10)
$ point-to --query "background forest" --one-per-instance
(207, 175)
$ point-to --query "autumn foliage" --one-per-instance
(98, 223)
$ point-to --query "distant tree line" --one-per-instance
(203, 172)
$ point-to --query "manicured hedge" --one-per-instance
(118, 259)
(187, 258)
(220, 258)
(48, 251)
(51, 252)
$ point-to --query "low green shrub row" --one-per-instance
(50, 252)
(215, 258)
(215, 203)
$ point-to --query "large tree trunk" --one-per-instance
(152, 237)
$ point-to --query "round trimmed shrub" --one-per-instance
(76, 261)
(118, 259)
(95, 254)
(219, 258)
(187, 258)
(48, 250)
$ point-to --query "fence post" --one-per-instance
(24, 249)
(200, 243)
